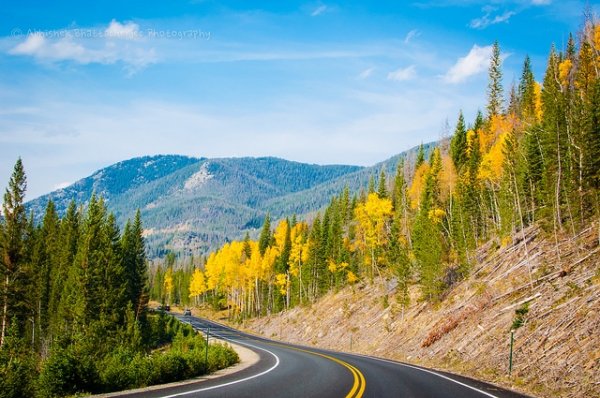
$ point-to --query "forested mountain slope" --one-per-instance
(194, 204)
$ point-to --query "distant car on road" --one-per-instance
(167, 308)
(187, 312)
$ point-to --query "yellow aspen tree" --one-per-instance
(197, 285)
(416, 188)
(299, 253)
(373, 218)
(279, 234)
(168, 285)
(493, 161)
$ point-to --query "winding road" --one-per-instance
(286, 370)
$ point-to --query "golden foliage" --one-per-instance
(499, 124)
(564, 71)
(493, 161)
(282, 282)
(537, 92)
(168, 283)
(436, 215)
(448, 177)
(372, 217)
(470, 140)
(597, 38)
(280, 233)
(418, 184)
(299, 252)
(197, 284)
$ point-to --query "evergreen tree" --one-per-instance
(553, 140)
(427, 235)
(526, 91)
(458, 145)
(14, 288)
(46, 261)
(420, 156)
(382, 188)
(371, 188)
(69, 238)
(135, 265)
(495, 91)
(265, 235)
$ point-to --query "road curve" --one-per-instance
(286, 370)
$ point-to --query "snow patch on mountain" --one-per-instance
(199, 178)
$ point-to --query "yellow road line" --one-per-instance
(358, 388)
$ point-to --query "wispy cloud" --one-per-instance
(319, 10)
(403, 74)
(488, 18)
(540, 2)
(366, 73)
(117, 43)
(476, 61)
(413, 34)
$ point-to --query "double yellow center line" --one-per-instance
(358, 388)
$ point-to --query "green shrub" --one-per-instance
(16, 377)
(66, 373)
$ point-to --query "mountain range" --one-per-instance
(193, 205)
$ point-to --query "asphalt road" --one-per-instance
(285, 370)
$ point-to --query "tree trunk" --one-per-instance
(4, 311)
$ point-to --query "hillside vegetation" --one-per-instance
(73, 315)
(533, 160)
(556, 350)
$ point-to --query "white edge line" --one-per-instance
(428, 371)
(235, 381)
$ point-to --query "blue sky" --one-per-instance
(84, 85)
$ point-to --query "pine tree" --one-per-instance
(458, 145)
(135, 265)
(371, 188)
(265, 235)
(14, 289)
(553, 140)
(420, 156)
(382, 188)
(495, 91)
(46, 261)
(526, 92)
(69, 236)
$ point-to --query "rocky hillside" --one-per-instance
(556, 350)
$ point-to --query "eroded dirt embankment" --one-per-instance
(556, 351)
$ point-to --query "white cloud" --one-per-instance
(32, 44)
(413, 34)
(403, 74)
(540, 2)
(476, 61)
(366, 73)
(69, 46)
(488, 19)
(319, 10)
(127, 31)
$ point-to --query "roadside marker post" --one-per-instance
(510, 358)
(206, 354)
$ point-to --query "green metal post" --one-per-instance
(510, 358)
(206, 355)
